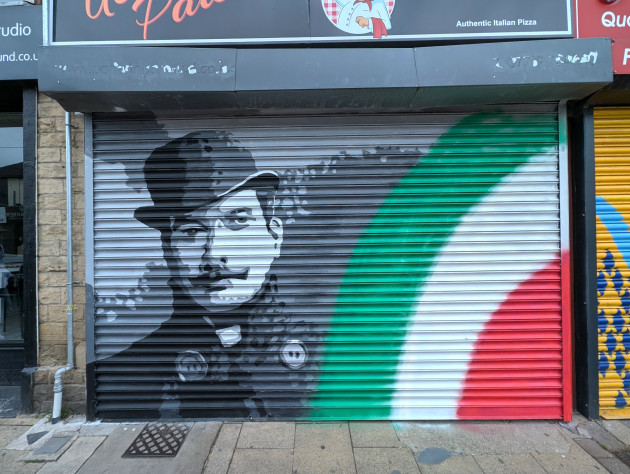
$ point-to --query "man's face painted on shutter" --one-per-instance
(223, 251)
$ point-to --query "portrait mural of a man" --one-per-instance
(227, 341)
(323, 268)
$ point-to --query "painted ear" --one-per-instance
(276, 229)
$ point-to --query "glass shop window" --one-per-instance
(11, 220)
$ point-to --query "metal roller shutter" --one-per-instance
(327, 267)
(612, 172)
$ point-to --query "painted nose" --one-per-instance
(212, 231)
(214, 244)
(212, 265)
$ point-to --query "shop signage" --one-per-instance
(20, 35)
(302, 21)
(611, 19)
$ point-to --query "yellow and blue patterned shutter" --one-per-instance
(612, 170)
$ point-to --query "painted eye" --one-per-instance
(189, 231)
(236, 222)
(239, 218)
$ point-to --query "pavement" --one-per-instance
(33, 445)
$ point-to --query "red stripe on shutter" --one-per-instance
(518, 365)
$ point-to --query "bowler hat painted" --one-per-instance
(195, 170)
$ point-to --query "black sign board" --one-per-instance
(20, 34)
(225, 22)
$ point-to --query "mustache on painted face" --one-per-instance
(214, 275)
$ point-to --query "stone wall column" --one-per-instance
(52, 257)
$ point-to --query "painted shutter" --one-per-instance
(419, 275)
(612, 170)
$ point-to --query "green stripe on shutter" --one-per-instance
(397, 250)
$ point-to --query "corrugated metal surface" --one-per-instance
(408, 267)
(612, 174)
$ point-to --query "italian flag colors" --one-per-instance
(450, 306)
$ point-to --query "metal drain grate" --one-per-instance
(159, 439)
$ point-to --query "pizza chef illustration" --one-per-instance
(361, 16)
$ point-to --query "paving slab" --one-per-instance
(452, 465)
(433, 456)
(472, 438)
(601, 435)
(509, 464)
(614, 465)
(97, 429)
(593, 448)
(380, 460)
(618, 429)
(575, 461)
(63, 443)
(53, 448)
(373, 434)
(190, 458)
(11, 462)
(249, 461)
(277, 435)
(22, 443)
(323, 447)
(75, 419)
(74, 457)
(109, 453)
(20, 420)
(220, 456)
(200, 441)
(583, 433)
(9, 433)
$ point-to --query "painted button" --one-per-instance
(191, 366)
(294, 354)
(229, 336)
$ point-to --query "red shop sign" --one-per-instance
(607, 18)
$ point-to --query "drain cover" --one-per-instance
(159, 439)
